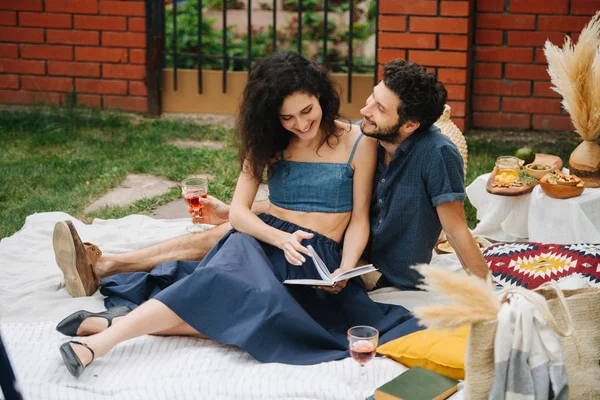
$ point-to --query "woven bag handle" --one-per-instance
(543, 309)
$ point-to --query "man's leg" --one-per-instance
(83, 264)
(191, 247)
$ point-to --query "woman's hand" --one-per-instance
(214, 211)
(292, 248)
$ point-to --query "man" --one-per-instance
(418, 190)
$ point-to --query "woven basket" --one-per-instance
(449, 129)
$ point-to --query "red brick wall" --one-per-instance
(435, 34)
(511, 88)
(94, 48)
(489, 53)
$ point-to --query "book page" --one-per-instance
(354, 272)
(309, 282)
(320, 265)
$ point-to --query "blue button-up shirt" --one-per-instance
(426, 170)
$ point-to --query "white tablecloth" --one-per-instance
(535, 216)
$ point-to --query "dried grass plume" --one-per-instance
(575, 74)
(470, 299)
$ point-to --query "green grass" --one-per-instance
(64, 159)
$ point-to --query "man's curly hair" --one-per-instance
(422, 96)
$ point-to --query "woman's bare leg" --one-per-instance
(187, 247)
(151, 317)
(94, 325)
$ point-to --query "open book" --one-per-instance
(326, 278)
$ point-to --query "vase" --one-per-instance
(449, 129)
(585, 163)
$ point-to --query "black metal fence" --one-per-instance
(185, 37)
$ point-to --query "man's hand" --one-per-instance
(214, 211)
(335, 289)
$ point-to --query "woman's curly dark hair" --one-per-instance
(422, 95)
(258, 125)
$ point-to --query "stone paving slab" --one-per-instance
(133, 188)
(172, 210)
(204, 144)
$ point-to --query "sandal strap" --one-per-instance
(87, 347)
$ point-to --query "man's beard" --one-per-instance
(390, 135)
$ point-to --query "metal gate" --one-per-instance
(182, 41)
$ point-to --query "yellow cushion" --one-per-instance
(439, 351)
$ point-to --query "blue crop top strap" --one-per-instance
(354, 148)
(312, 186)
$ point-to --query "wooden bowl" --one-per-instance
(537, 173)
(560, 191)
(443, 245)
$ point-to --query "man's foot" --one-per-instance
(77, 357)
(85, 323)
(76, 260)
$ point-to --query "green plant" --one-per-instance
(312, 36)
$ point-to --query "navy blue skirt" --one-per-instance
(235, 296)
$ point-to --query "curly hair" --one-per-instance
(258, 126)
(422, 95)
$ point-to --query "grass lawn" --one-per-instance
(63, 159)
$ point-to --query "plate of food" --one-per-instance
(443, 246)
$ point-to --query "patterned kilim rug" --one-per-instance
(530, 264)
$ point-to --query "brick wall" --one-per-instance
(95, 49)
(437, 35)
(489, 53)
(511, 88)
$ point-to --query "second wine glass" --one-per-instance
(193, 189)
(362, 344)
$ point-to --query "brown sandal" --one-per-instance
(76, 260)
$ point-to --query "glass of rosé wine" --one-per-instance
(362, 342)
(192, 189)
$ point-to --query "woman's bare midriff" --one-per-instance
(331, 225)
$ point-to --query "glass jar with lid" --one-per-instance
(507, 169)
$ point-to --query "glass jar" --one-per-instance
(507, 169)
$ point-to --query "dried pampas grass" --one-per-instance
(575, 74)
(470, 299)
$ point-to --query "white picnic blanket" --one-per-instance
(33, 299)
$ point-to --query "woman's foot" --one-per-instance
(85, 323)
(76, 356)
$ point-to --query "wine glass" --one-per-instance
(362, 341)
(192, 189)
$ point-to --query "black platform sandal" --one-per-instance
(73, 363)
(69, 325)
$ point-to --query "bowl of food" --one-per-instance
(560, 185)
(443, 246)
(536, 170)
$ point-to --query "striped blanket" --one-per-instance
(527, 353)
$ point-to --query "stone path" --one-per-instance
(133, 188)
(137, 187)
(204, 144)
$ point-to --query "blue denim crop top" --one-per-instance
(312, 186)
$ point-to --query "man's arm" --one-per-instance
(454, 223)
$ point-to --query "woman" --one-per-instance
(320, 174)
